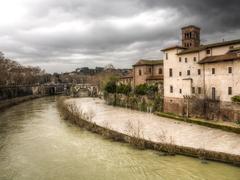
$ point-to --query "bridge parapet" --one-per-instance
(84, 90)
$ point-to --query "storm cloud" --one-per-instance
(60, 35)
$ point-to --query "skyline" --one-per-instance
(61, 36)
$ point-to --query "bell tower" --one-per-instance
(191, 36)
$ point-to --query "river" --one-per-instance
(35, 143)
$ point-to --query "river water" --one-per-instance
(35, 143)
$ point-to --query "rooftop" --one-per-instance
(190, 26)
(202, 47)
(207, 46)
(144, 62)
(220, 58)
(173, 47)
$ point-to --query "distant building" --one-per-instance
(208, 74)
(89, 71)
(145, 71)
(148, 71)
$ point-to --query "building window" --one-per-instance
(193, 90)
(170, 72)
(180, 73)
(166, 56)
(185, 60)
(213, 71)
(229, 90)
(180, 91)
(171, 89)
(194, 59)
(188, 72)
(230, 70)
(180, 59)
(199, 90)
(139, 72)
(208, 51)
(213, 93)
(150, 70)
(199, 71)
(160, 71)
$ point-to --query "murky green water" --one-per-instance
(35, 143)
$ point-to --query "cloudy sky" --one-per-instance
(61, 35)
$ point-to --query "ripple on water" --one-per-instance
(35, 143)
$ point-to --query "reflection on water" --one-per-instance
(35, 143)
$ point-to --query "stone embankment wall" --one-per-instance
(14, 101)
(142, 103)
(12, 95)
(9, 92)
(207, 109)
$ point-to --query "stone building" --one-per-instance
(145, 71)
(199, 80)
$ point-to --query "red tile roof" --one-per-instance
(144, 62)
(173, 47)
(207, 46)
(220, 58)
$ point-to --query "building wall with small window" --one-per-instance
(204, 76)
(157, 70)
(223, 79)
(142, 73)
(181, 70)
(204, 73)
(218, 81)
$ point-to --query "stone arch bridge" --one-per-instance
(84, 90)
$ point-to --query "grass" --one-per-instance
(72, 113)
(229, 128)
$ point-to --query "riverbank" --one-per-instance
(143, 103)
(14, 101)
(150, 131)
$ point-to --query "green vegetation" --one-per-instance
(145, 89)
(236, 99)
(124, 89)
(144, 98)
(111, 86)
(238, 121)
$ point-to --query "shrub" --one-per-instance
(124, 89)
(133, 102)
(236, 98)
(238, 122)
(111, 87)
(158, 104)
(145, 89)
(143, 105)
(141, 89)
(152, 90)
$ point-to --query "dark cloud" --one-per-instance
(61, 35)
